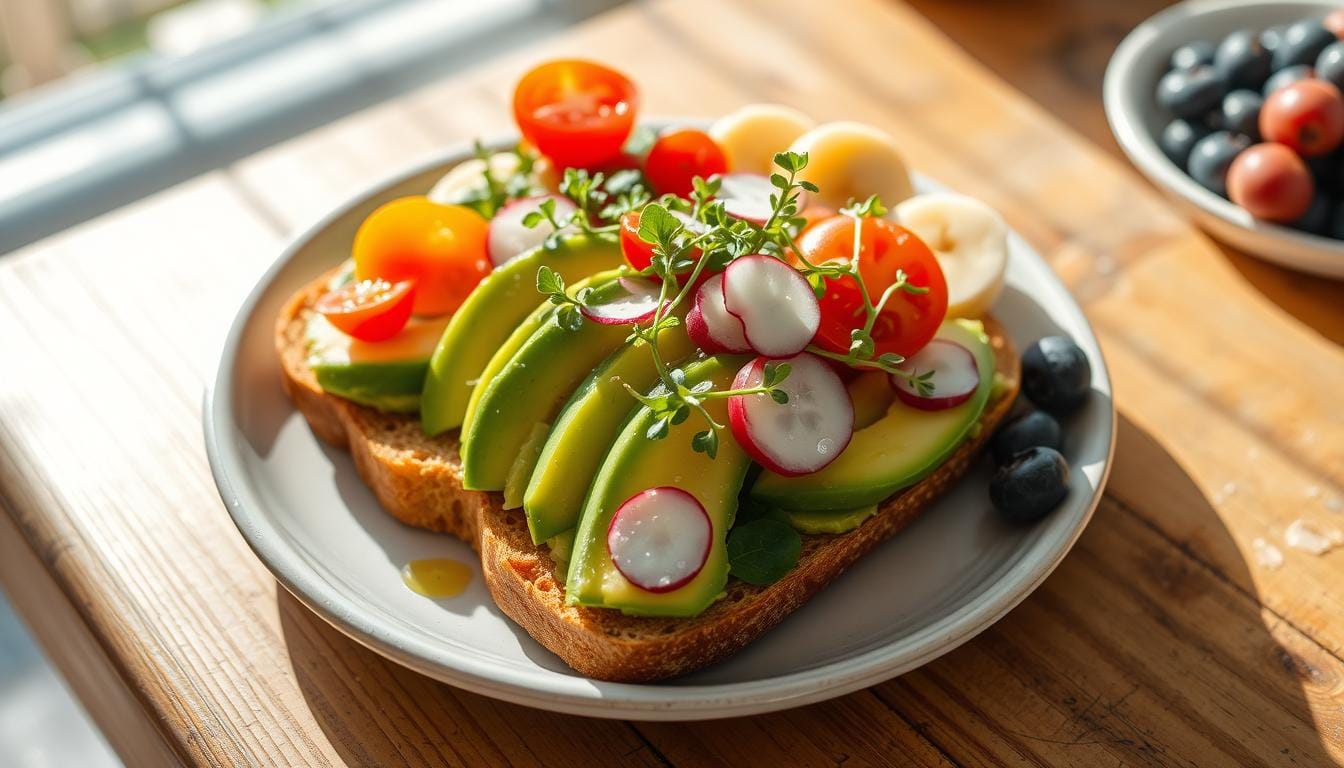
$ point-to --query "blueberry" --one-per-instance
(1211, 156)
(1241, 113)
(1287, 77)
(1330, 64)
(1030, 485)
(1337, 222)
(1241, 60)
(1271, 37)
(1192, 55)
(1302, 42)
(1190, 93)
(1030, 430)
(1317, 219)
(1178, 138)
(1056, 375)
(1325, 169)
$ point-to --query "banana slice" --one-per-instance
(751, 136)
(970, 240)
(853, 160)
(466, 180)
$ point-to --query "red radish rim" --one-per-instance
(647, 291)
(704, 555)
(750, 375)
(698, 331)
(563, 207)
(907, 395)
(730, 180)
(716, 340)
(806, 288)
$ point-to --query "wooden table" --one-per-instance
(1160, 640)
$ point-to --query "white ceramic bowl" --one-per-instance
(1131, 80)
(301, 507)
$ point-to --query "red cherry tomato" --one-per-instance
(639, 254)
(575, 112)
(680, 155)
(369, 310)
(908, 321)
(440, 247)
(1271, 182)
(1307, 115)
(815, 214)
(1334, 21)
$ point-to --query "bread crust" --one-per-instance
(418, 480)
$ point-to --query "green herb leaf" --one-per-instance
(569, 317)
(656, 224)
(532, 219)
(860, 343)
(657, 430)
(548, 282)
(779, 396)
(890, 360)
(706, 442)
(762, 551)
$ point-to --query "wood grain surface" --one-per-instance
(1159, 641)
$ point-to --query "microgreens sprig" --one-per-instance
(570, 313)
(599, 200)
(495, 192)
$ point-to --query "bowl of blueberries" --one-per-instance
(1234, 109)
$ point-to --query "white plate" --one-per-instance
(303, 510)
(1131, 80)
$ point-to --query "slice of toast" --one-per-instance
(418, 480)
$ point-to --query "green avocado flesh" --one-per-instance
(387, 375)
(503, 299)
(636, 463)
(895, 452)
(839, 521)
(586, 428)
(530, 389)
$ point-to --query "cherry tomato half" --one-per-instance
(679, 156)
(369, 310)
(1307, 115)
(908, 321)
(639, 254)
(575, 112)
(440, 247)
(815, 214)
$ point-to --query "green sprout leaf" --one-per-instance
(549, 282)
(656, 224)
(657, 430)
(761, 551)
(706, 442)
(779, 396)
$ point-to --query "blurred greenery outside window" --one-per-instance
(85, 33)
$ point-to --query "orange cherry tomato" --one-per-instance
(815, 214)
(369, 310)
(440, 247)
(639, 254)
(679, 156)
(908, 321)
(575, 112)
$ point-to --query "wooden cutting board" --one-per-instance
(1161, 639)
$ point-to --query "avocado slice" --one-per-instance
(895, 452)
(531, 386)
(636, 463)
(387, 375)
(585, 429)
(484, 321)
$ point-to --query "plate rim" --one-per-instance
(579, 695)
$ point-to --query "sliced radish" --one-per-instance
(710, 325)
(775, 303)
(747, 196)
(799, 436)
(635, 302)
(508, 237)
(955, 376)
(659, 539)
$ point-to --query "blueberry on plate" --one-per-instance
(1330, 64)
(1192, 55)
(1241, 113)
(1336, 222)
(1325, 169)
(1056, 374)
(1302, 42)
(1034, 482)
(1241, 60)
(1211, 156)
(1033, 429)
(1190, 93)
(1178, 138)
(1317, 219)
(1271, 37)
(1286, 77)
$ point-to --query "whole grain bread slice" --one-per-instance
(418, 480)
